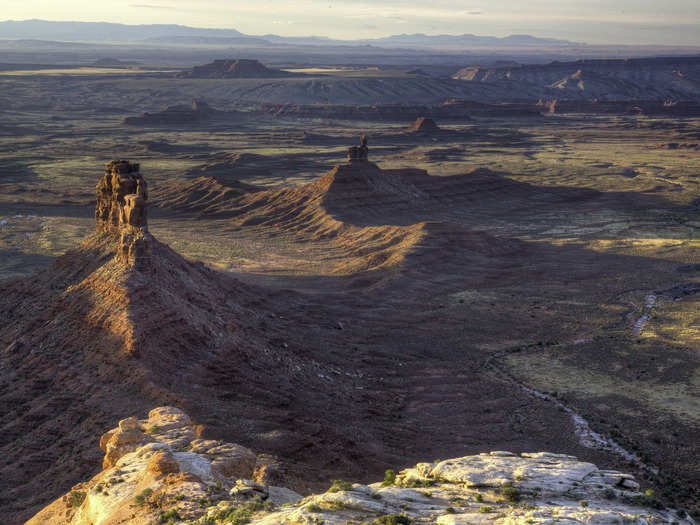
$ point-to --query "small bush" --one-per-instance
(340, 485)
(649, 493)
(583, 503)
(427, 494)
(389, 478)
(509, 492)
(485, 509)
(169, 516)
(417, 483)
(376, 495)
(75, 498)
(392, 519)
(242, 514)
(479, 498)
(336, 504)
(142, 497)
(450, 510)
(155, 429)
(313, 508)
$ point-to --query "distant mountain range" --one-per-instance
(105, 32)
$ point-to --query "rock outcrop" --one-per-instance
(155, 465)
(424, 125)
(156, 470)
(359, 153)
(121, 210)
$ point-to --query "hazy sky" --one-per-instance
(592, 21)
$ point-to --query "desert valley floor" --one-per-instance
(516, 283)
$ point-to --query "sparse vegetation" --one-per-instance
(168, 516)
(143, 496)
(389, 478)
(76, 498)
(485, 509)
(509, 492)
(392, 519)
(339, 485)
(242, 514)
(416, 483)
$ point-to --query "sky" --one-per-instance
(672, 22)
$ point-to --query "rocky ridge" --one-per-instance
(157, 470)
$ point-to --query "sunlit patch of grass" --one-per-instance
(549, 373)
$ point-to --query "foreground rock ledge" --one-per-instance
(157, 470)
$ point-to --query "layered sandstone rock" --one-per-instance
(157, 471)
(121, 211)
(154, 465)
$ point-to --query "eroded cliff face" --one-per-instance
(121, 210)
(157, 470)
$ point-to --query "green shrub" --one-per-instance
(155, 429)
(450, 510)
(142, 496)
(242, 514)
(313, 508)
(392, 519)
(509, 492)
(169, 516)
(75, 498)
(479, 498)
(485, 509)
(376, 495)
(417, 483)
(340, 485)
(389, 478)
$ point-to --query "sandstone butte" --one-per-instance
(159, 470)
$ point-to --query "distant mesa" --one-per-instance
(183, 114)
(107, 62)
(239, 68)
(674, 78)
